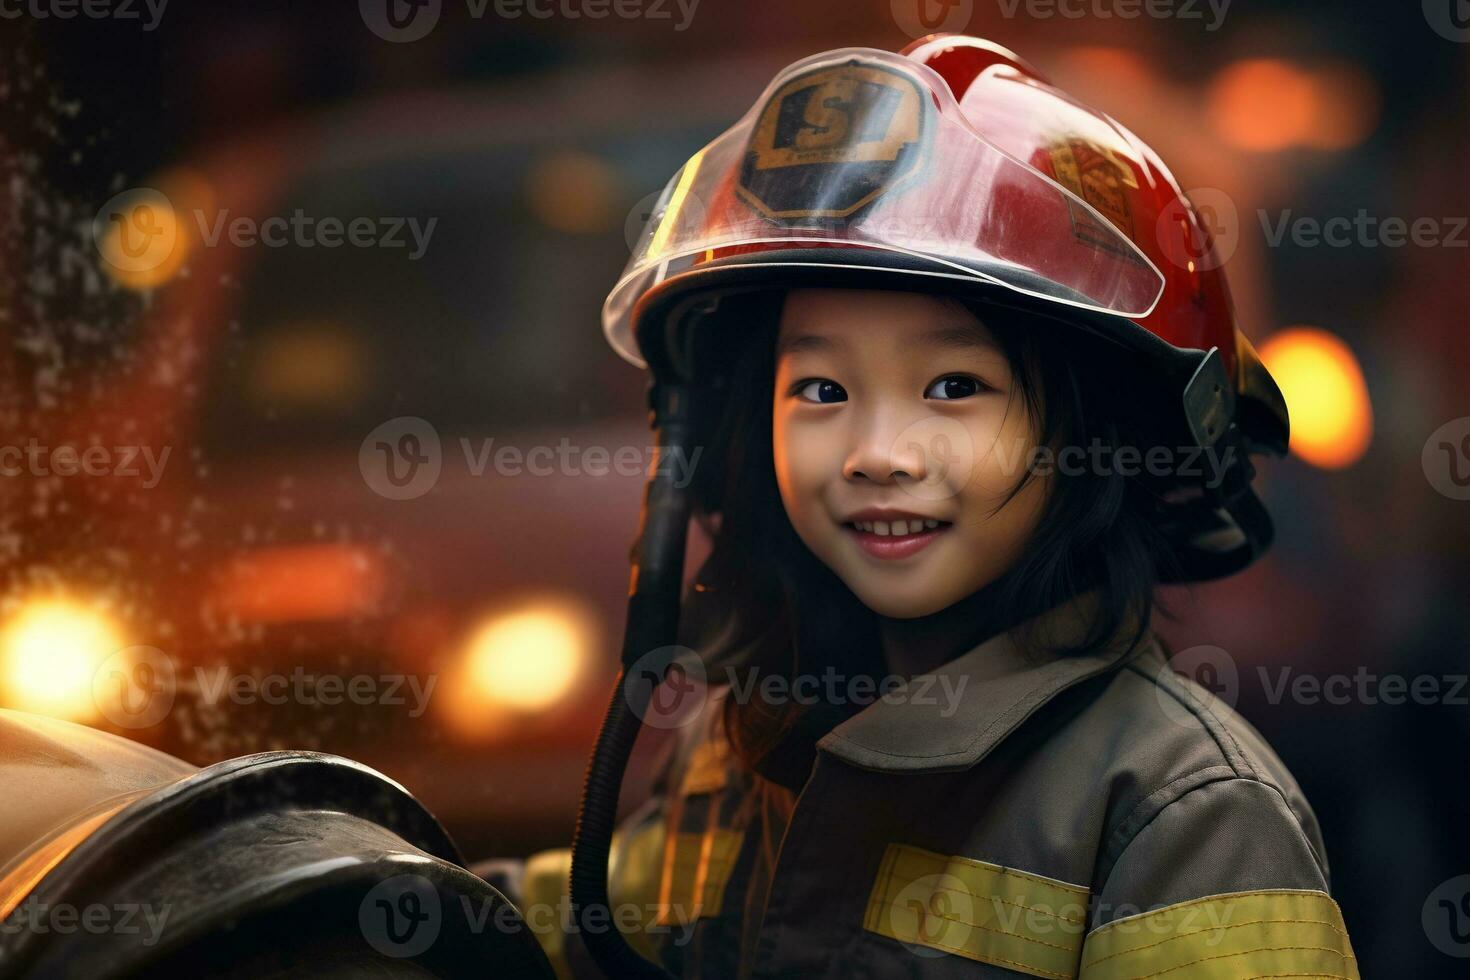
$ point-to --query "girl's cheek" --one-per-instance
(797, 463)
(1000, 451)
(816, 458)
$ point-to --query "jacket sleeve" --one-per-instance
(1220, 883)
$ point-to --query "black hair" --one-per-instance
(763, 600)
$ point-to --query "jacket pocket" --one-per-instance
(697, 867)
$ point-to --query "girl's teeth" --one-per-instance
(895, 528)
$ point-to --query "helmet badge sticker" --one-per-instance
(832, 141)
(1095, 174)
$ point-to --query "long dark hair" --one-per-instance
(763, 601)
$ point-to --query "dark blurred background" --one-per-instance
(269, 543)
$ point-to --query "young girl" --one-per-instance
(971, 387)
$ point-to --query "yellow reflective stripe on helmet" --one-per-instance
(1277, 933)
(697, 866)
(978, 910)
(676, 204)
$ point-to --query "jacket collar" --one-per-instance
(950, 718)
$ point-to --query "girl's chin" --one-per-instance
(907, 599)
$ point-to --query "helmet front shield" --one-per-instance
(867, 152)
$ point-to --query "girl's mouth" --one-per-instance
(891, 540)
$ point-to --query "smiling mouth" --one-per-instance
(891, 540)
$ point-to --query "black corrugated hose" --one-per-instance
(648, 641)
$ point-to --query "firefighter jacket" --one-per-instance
(1064, 816)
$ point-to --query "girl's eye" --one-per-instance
(821, 391)
(954, 386)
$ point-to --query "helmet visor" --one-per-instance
(867, 152)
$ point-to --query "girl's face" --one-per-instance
(898, 434)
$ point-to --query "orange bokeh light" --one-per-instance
(518, 663)
(50, 650)
(1264, 105)
(1331, 415)
(1347, 108)
(1117, 68)
(300, 583)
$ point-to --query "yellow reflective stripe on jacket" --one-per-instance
(708, 770)
(697, 866)
(1276, 933)
(633, 886)
(543, 897)
(978, 910)
(634, 881)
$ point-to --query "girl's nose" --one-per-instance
(883, 453)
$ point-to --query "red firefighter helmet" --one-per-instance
(957, 167)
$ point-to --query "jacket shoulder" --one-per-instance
(1168, 736)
